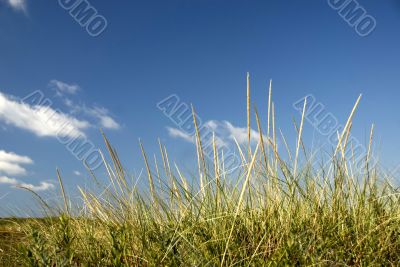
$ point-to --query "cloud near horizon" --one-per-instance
(225, 133)
(43, 186)
(10, 164)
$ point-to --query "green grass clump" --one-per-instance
(271, 212)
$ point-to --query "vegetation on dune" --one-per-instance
(270, 212)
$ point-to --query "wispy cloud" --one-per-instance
(77, 173)
(176, 133)
(40, 120)
(106, 121)
(10, 163)
(62, 88)
(100, 113)
(19, 5)
(43, 186)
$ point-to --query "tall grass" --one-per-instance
(272, 211)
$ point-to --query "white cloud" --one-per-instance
(44, 120)
(77, 173)
(10, 163)
(212, 124)
(12, 157)
(40, 120)
(176, 133)
(11, 168)
(62, 88)
(19, 5)
(6, 180)
(225, 133)
(43, 186)
(241, 133)
(103, 115)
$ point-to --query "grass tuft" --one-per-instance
(271, 211)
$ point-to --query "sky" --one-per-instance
(69, 69)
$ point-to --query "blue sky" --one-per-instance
(198, 50)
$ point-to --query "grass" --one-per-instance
(272, 211)
(11, 236)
